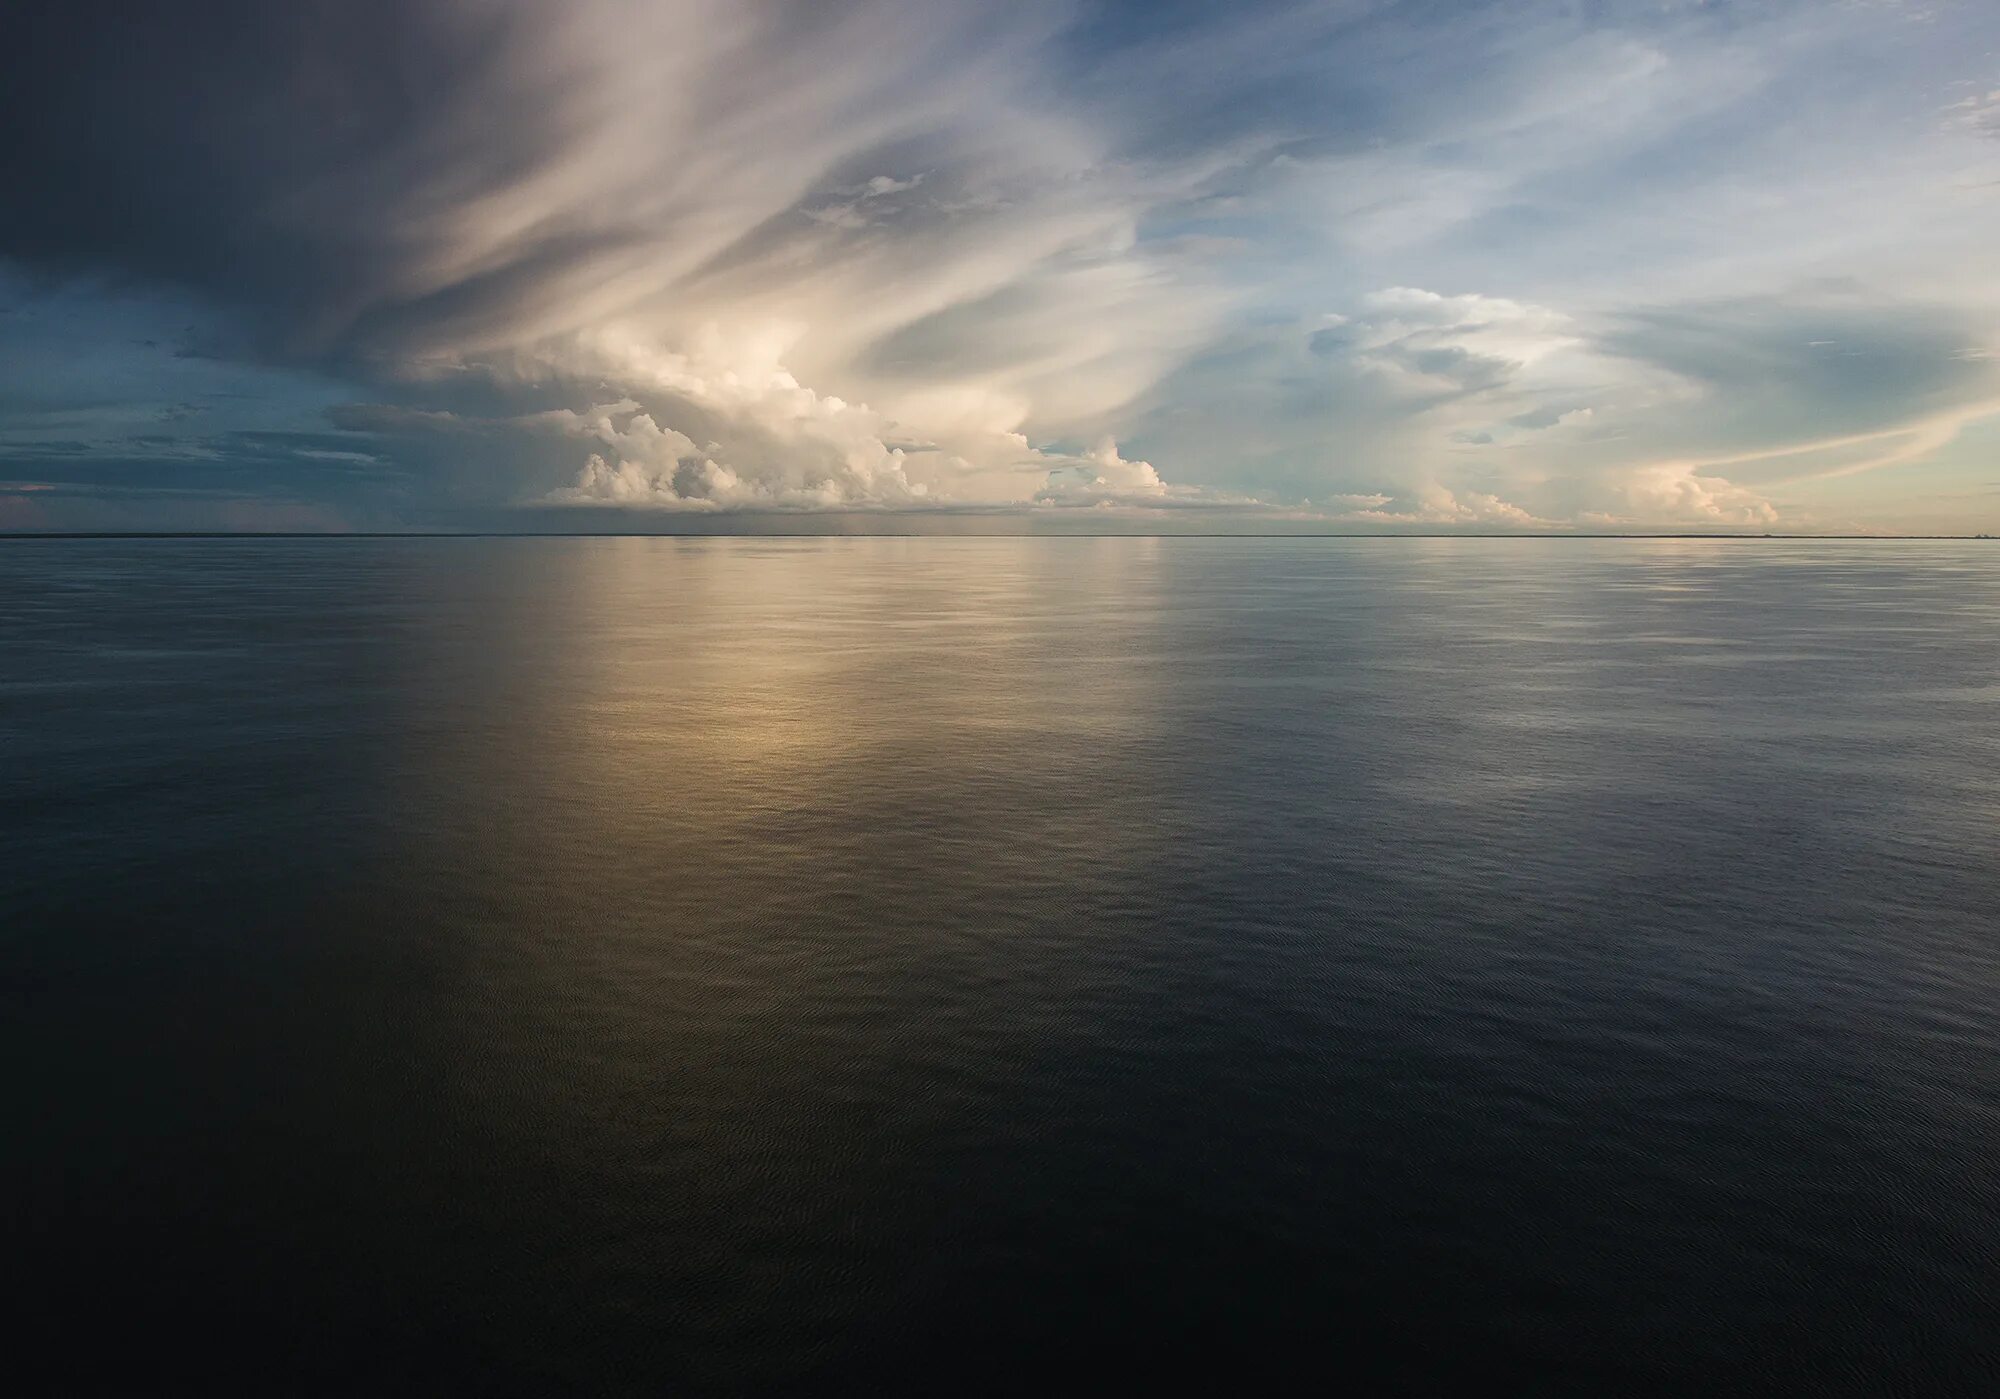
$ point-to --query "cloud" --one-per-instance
(1669, 491)
(819, 460)
(1782, 390)
(1977, 115)
(773, 444)
(686, 200)
(1499, 265)
(1434, 505)
(1546, 416)
(1427, 342)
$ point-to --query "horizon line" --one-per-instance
(955, 534)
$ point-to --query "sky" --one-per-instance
(1054, 265)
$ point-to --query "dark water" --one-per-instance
(641, 966)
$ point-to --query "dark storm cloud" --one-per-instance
(186, 141)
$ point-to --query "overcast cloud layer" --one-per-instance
(956, 264)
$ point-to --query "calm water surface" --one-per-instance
(813, 966)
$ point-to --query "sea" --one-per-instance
(653, 966)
